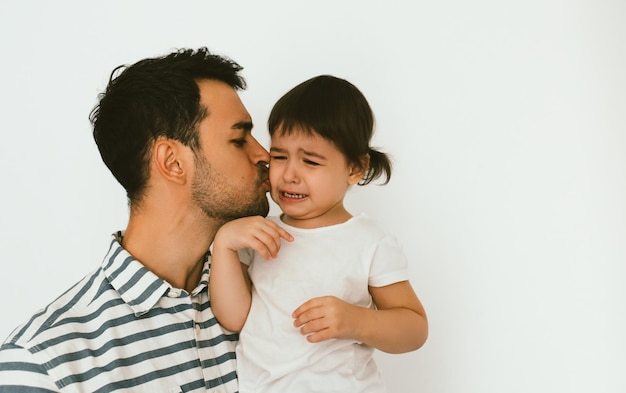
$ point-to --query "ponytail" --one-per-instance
(379, 165)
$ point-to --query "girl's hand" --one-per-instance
(397, 325)
(327, 317)
(255, 232)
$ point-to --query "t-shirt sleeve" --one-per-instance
(246, 255)
(19, 372)
(389, 263)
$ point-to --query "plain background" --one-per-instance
(506, 122)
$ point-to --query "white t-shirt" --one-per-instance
(339, 260)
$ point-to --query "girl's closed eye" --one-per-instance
(312, 163)
(277, 157)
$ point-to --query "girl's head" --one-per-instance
(336, 110)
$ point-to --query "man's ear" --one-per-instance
(357, 171)
(169, 160)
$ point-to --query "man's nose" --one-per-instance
(258, 154)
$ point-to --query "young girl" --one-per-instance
(311, 314)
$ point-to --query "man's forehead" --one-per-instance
(245, 125)
(222, 103)
(215, 93)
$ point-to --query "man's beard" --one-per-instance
(219, 199)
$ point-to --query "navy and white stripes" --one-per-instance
(122, 328)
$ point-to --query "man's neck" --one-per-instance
(172, 246)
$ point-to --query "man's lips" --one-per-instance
(267, 184)
(264, 179)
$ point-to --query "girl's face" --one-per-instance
(309, 178)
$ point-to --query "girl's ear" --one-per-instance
(357, 171)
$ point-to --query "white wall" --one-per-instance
(506, 121)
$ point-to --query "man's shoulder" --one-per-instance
(73, 304)
(24, 356)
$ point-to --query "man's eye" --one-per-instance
(239, 142)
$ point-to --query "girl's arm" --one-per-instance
(398, 325)
(400, 317)
(229, 284)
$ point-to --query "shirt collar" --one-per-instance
(137, 286)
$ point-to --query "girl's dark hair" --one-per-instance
(336, 110)
(156, 97)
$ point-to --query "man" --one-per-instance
(175, 134)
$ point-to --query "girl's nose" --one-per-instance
(290, 174)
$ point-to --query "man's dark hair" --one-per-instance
(156, 97)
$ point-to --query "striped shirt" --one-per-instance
(122, 328)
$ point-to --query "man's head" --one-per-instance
(231, 176)
(161, 99)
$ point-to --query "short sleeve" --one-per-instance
(246, 256)
(19, 373)
(389, 263)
